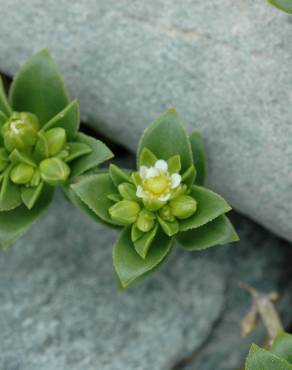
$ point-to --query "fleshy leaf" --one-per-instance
(282, 346)
(17, 156)
(285, 5)
(99, 153)
(189, 176)
(199, 157)
(219, 231)
(15, 222)
(210, 206)
(9, 194)
(119, 175)
(93, 191)
(147, 158)
(136, 233)
(143, 244)
(4, 105)
(115, 197)
(174, 164)
(170, 228)
(68, 119)
(166, 137)
(129, 265)
(260, 359)
(39, 88)
(76, 150)
(3, 119)
(30, 195)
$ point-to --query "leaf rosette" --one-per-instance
(40, 146)
(163, 201)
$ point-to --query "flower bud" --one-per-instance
(145, 221)
(54, 170)
(183, 206)
(21, 173)
(20, 131)
(56, 139)
(165, 214)
(4, 160)
(125, 212)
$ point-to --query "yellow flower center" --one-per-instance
(157, 185)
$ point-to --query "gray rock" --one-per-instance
(226, 67)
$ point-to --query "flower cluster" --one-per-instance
(164, 200)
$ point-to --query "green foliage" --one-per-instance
(285, 5)
(160, 202)
(40, 146)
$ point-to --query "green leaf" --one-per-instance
(10, 193)
(147, 158)
(282, 346)
(143, 244)
(68, 119)
(15, 222)
(199, 157)
(115, 197)
(93, 190)
(39, 88)
(166, 137)
(119, 175)
(99, 154)
(76, 150)
(260, 359)
(210, 206)
(4, 105)
(189, 176)
(129, 265)
(136, 233)
(170, 228)
(285, 5)
(19, 157)
(30, 196)
(219, 231)
(128, 191)
(3, 119)
(174, 164)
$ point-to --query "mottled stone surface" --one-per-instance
(225, 65)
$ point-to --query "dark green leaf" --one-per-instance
(14, 223)
(282, 346)
(166, 137)
(285, 5)
(9, 194)
(68, 119)
(30, 196)
(143, 243)
(260, 359)
(3, 119)
(219, 231)
(119, 175)
(210, 206)
(170, 228)
(19, 157)
(147, 158)
(4, 105)
(77, 150)
(99, 153)
(38, 88)
(199, 157)
(129, 265)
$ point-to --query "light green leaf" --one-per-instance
(115, 197)
(68, 118)
(119, 175)
(30, 195)
(3, 119)
(128, 191)
(260, 359)
(93, 191)
(15, 222)
(136, 233)
(4, 105)
(170, 228)
(166, 137)
(282, 346)
(10, 193)
(147, 158)
(189, 176)
(143, 243)
(174, 164)
(76, 150)
(285, 5)
(99, 154)
(219, 231)
(199, 157)
(39, 88)
(129, 265)
(210, 206)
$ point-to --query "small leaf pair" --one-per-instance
(163, 201)
(278, 358)
(40, 146)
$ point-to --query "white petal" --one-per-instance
(161, 165)
(151, 172)
(175, 180)
(140, 192)
(164, 198)
(143, 171)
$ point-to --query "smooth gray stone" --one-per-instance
(225, 66)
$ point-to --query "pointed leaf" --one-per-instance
(210, 206)
(4, 104)
(3, 119)
(136, 233)
(170, 228)
(260, 359)
(67, 119)
(77, 149)
(15, 222)
(19, 157)
(119, 175)
(143, 244)
(9, 194)
(166, 137)
(129, 265)
(282, 346)
(199, 157)
(115, 197)
(38, 88)
(147, 158)
(189, 176)
(93, 191)
(30, 196)
(218, 231)
(285, 5)
(174, 164)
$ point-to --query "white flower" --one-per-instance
(157, 182)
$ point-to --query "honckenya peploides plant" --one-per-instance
(40, 146)
(162, 202)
